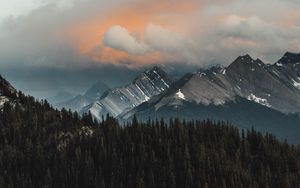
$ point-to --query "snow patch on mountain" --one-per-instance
(180, 95)
(146, 98)
(224, 71)
(296, 83)
(259, 100)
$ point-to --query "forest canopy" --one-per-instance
(44, 147)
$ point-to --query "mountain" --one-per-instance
(288, 69)
(276, 87)
(61, 96)
(96, 91)
(290, 58)
(78, 102)
(241, 112)
(75, 104)
(43, 147)
(272, 86)
(247, 93)
(7, 92)
(120, 100)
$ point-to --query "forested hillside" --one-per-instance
(43, 147)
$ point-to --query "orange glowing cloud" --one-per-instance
(87, 36)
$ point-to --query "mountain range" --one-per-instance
(247, 93)
(275, 86)
(78, 102)
(60, 96)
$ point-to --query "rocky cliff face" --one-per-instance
(274, 86)
(7, 91)
(120, 100)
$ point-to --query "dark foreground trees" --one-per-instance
(42, 147)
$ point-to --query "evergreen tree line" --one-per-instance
(44, 147)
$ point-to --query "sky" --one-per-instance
(51, 45)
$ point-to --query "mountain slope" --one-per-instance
(60, 97)
(247, 93)
(7, 92)
(268, 84)
(241, 112)
(96, 91)
(119, 100)
(75, 104)
(247, 78)
(78, 102)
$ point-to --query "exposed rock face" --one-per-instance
(274, 86)
(78, 102)
(247, 93)
(7, 91)
(120, 100)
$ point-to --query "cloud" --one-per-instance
(172, 46)
(138, 32)
(163, 39)
(119, 38)
(253, 34)
(73, 35)
(175, 46)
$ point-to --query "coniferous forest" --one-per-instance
(43, 147)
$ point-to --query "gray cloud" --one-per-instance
(34, 39)
(119, 38)
(216, 33)
(173, 45)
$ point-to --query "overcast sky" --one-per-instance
(15, 7)
(66, 36)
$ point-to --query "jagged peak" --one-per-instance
(154, 68)
(259, 62)
(289, 57)
(290, 54)
(154, 73)
(246, 60)
(217, 68)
